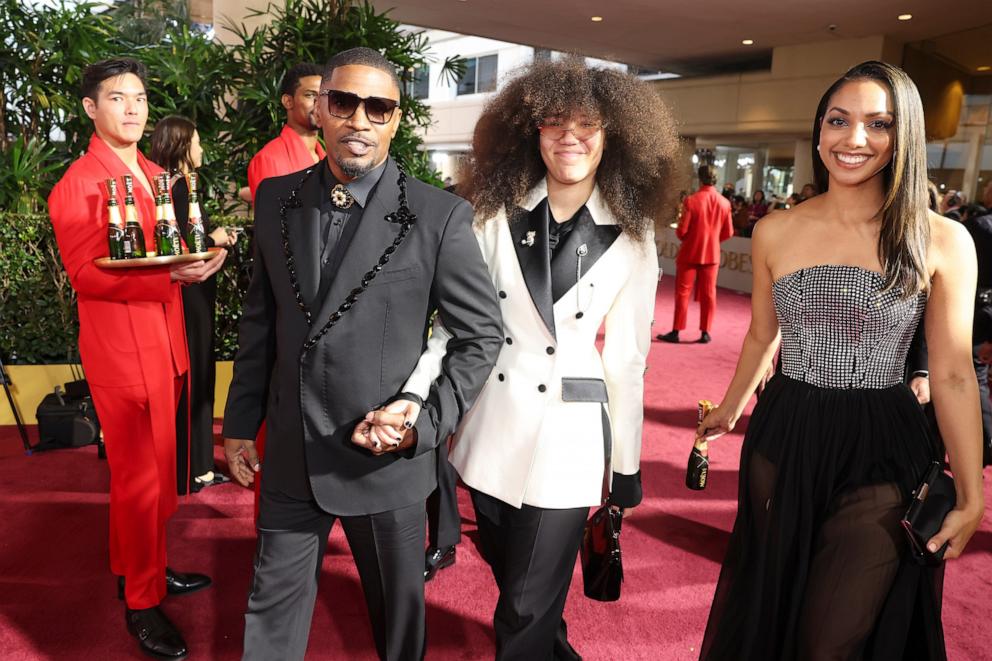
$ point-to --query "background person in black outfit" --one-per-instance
(176, 147)
(980, 229)
(351, 259)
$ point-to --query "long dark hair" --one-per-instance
(171, 141)
(905, 232)
(637, 174)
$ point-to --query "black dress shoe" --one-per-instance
(672, 337)
(175, 583)
(438, 559)
(704, 338)
(179, 583)
(156, 635)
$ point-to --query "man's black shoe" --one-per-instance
(672, 337)
(705, 338)
(175, 583)
(438, 559)
(179, 583)
(156, 635)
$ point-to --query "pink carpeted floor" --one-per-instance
(58, 600)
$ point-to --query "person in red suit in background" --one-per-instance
(132, 342)
(706, 222)
(296, 147)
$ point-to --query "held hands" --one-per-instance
(390, 429)
(958, 527)
(717, 422)
(198, 271)
(242, 460)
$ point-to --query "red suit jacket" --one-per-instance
(705, 223)
(130, 320)
(282, 155)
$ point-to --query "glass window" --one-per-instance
(480, 75)
(421, 83)
(487, 74)
(466, 84)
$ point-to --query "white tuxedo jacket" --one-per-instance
(537, 431)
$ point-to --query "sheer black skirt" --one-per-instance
(817, 566)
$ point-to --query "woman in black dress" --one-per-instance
(176, 147)
(817, 566)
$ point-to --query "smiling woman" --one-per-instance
(817, 566)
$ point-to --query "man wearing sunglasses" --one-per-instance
(296, 147)
(351, 259)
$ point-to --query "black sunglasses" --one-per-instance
(344, 104)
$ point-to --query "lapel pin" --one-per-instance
(341, 197)
(529, 239)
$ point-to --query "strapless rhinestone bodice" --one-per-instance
(841, 330)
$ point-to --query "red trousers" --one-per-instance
(139, 431)
(685, 276)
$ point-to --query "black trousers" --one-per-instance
(532, 553)
(388, 548)
(197, 401)
(444, 523)
(982, 372)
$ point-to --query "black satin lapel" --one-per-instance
(304, 239)
(534, 257)
(373, 235)
(596, 238)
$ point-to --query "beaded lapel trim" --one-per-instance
(402, 215)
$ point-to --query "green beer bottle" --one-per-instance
(134, 236)
(167, 237)
(115, 224)
(196, 235)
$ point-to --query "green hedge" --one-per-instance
(38, 320)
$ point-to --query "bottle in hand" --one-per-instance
(699, 462)
(115, 224)
(134, 236)
(196, 235)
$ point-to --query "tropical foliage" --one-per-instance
(229, 90)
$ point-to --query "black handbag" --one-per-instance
(602, 568)
(931, 503)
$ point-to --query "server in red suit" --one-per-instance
(295, 149)
(133, 346)
(297, 146)
(706, 222)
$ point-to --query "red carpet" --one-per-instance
(57, 598)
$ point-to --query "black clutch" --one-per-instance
(932, 501)
(602, 569)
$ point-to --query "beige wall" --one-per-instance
(228, 11)
(777, 102)
(452, 122)
(32, 382)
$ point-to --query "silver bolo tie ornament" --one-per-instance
(580, 252)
